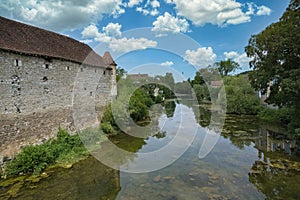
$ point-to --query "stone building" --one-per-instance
(47, 81)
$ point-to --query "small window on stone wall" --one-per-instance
(46, 66)
(68, 68)
(46, 90)
(17, 63)
(91, 93)
(45, 78)
(104, 72)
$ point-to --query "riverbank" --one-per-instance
(64, 151)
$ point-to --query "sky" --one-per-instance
(155, 36)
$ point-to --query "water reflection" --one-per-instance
(250, 161)
(270, 140)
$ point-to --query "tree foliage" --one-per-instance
(275, 54)
(227, 66)
(276, 57)
(241, 97)
(120, 73)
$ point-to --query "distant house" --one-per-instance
(216, 83)
(137, 78)
(264, 97)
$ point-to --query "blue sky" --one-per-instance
(155, 36)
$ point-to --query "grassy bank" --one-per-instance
(33, 159)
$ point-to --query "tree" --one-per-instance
(275, 54)
(198, 79)
(241, 97)
(120, 73)
(227, 66)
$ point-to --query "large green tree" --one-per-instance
(227, 66)
(275, 54)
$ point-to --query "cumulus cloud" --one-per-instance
(231, 54)
(263, 10)
(167, 64)
(242, 59)
(144, 11)
(133, 3)
(150, 8)
(123, 45)
(202, 57)
(112, 35)
(113, 30)
(217, 12)
(155, 4)
(60, 15)
(167, 23)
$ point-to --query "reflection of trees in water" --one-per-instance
(276, 173)
(205, 116)
(277, 178)
(240, 130)
(170, 108)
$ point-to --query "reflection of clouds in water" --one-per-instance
(181, 130)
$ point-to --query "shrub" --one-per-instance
(35, 158)
(107, 128)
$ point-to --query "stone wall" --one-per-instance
(39, 94)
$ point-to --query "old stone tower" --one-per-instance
(48, 81)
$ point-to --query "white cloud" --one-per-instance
(126, 45)
(169, 24)
(242, 59)
(133, 3)
(60, 15)
(86, 41)
(144, 11)
(263, 10)
(150, 8)
(217, 12)
(155, 4)
(202, 57)
(113, 30)
(112, 36)
(167, 64)
(231, 54)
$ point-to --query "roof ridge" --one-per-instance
(28, 39)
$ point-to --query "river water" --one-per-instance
(250, 160)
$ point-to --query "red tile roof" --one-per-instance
(23, 38)
(108, 60)
(216, 83)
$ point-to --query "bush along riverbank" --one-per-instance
(33, 159)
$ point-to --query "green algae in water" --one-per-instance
(239, 167)
(11, 181)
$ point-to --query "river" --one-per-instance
(250, 160)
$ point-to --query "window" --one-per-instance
(45, 78)
(91, 94)
(68, 68)
(17, 63)
(104, 72)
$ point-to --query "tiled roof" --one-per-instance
(216, 83)
(108, 60)
(23, 38)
